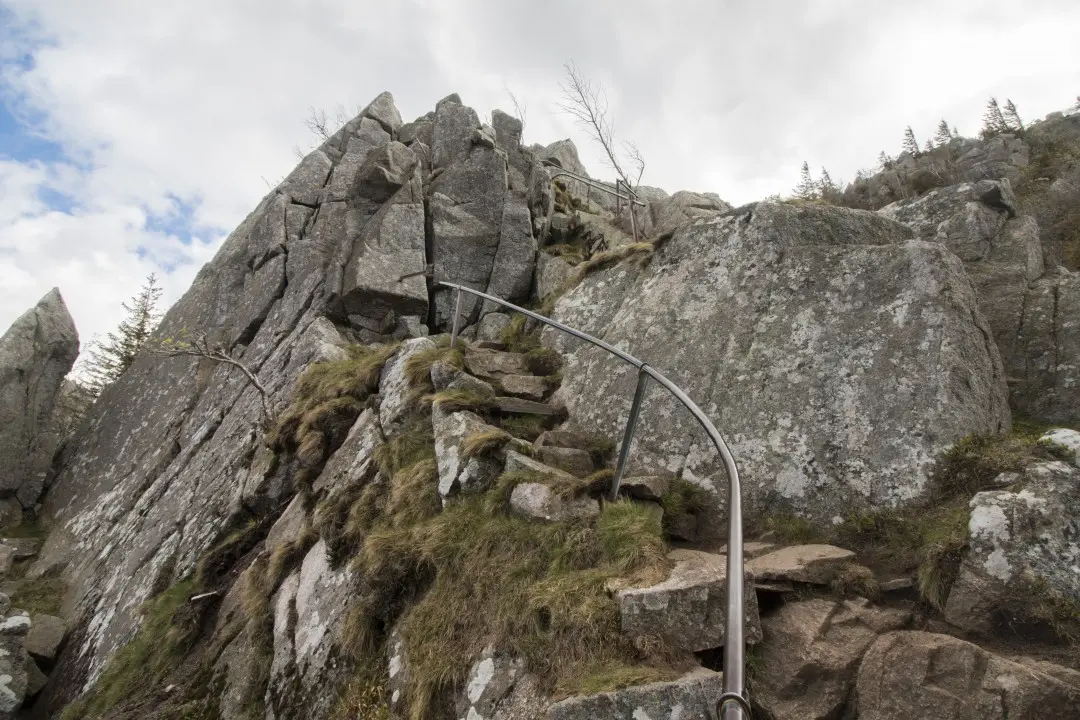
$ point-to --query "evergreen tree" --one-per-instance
(911, 145)
(943, 135)
(1077, 105)
(884, 161)
(1012, 117)
(993, 120)
(826, 183)
(807, 188)
(955, 132)
(112, 357)
(929, 146)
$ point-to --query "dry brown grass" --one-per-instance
(484, 442)
(457, 399)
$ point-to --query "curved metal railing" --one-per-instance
(733, 704)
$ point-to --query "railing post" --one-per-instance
(457, 317)
(628, 435)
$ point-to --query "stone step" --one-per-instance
(516, 461)
(691, 697)
(494, 364)
(812, 564)
(524, 407)
(567, 438)
(529, 387)
(646, 487)
(576, 462)
(688, 610)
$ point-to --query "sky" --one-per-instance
(135, 135)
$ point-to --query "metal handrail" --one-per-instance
(630, 197)
(730, 708)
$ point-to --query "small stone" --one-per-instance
(5, 604)
(576, 462)
(23, 547)
(526, 386)
(45, 637)
(7, 557)
(1067, 439)
(537, 500)
(814, 564)
(897, 584)
(447, 377)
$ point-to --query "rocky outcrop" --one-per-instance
(1031, 312)
(830, 400)
(918, 674)
(36, 353)
(693, 695)
(1021, 540)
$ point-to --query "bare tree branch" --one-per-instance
(520, 108)
(318, 123)
(636, 160)
(588, 105)
(201, 348)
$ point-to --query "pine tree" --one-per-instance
(807, 188)
(826, 183)
(911, 145)
(884, 161)
(929, 146)
(993, 120)
(943, 135)
(955, 132)
(1012, 117)
(112, 357)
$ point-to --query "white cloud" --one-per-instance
(203, 101)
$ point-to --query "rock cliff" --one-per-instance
(330, 511)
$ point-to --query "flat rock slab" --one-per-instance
(22, 547)
(648, 487)
(576, 462)
(529, 387)
(814, 564)
(524, 407)
(539, 501)
(495, 364)
(45, 637)
(515, 461)
(566, 438)
(692, 697)
(689, 609)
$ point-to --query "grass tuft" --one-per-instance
(543, 361)
(856, 580)
(43, 595)
(1034, 609)
(418, 366)
(484, 442)
(456, 400)
(683, 504)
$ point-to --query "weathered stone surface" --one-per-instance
(688, 609)
(349, 461)
(539, 501)
(669, 213)
(937, 677)
(7, 558)
(495, 364)
(367, 136)
(447, 377)
(452, 132)
(11, 513)
(694, 696)
(1067, 439)
(840, 357)
(515, 259)
(36, 352)
(1032, 534)
(304, 185)
(551, 273)
(576, 462)
(491, 327)
(398, 667)
(388, 245)
(811, 652)
(518, 461)
(466, 206)
(1048, 344)
(815, 564)
(45, 636)
(383, 111)
(35, 679)
(491, 679)
(394, 391)
(458, 474)
(526, 386)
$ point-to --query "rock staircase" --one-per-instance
(686, 610)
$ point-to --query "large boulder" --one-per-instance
(36, 353)
(811, 652)
(917, 674)
(1031, 316)
(1021, 540)
(837, 355)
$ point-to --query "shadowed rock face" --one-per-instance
(837, 355)
(36, 353)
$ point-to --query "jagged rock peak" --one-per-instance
(36, 352)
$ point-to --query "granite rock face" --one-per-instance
(837, 355)
(36, 352)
